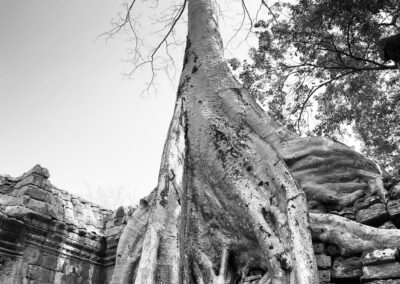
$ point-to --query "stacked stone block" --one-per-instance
(324, 262)
(376, 267)
(48, 235)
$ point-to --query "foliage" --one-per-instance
(317, 68)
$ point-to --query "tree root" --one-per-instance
(350, 236)
(130, 245)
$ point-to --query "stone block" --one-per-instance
(34, 192)
(59, 278)
(33, 179)
(112, 231)
(55, 199)
(15, 201)
(80, 222)
(75, 201)
(37, 205)
(18, 212)
(323, 261)
(5, 188)
(61, 263)
(319, 248)
(347, 212)
(324, 276)
(375, 215)
(69, 213)
(38, 273)
(381, 271)
(110, 224)
(390, 281)
(348, 269)
(38, 169)
(333, 250)
(393, 207)
(32, 255)
(86, 217)
(53, 212)
(387, 225)
(379, 256)
(49, 261)
(366, 202)
(60, 209)
(41, 220)
(97, 223)
(78, 208)
(23, 272)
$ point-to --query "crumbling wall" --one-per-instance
(48, 235)
(381, 266)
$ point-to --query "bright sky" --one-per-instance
(65, 105)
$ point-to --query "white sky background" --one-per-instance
(65, 105)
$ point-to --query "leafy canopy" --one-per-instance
(317, 68)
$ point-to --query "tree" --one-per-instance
(231, 194)
(318, 68)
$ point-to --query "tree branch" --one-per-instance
(312, 92)
(270, 10)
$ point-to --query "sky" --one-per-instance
(64, 103)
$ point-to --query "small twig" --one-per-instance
(270, 10)
(312, 92)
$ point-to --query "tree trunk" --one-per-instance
(227, 207)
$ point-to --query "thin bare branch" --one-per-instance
(270, 10)
(249, 17)
(238, 29)
(312, 92)
(118, 27)
(175, 20)
(138, 53)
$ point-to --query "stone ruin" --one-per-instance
(48, 235)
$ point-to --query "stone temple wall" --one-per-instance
(381, 266)
(48, 235)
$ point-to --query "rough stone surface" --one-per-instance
(391, 281)
(393, 207)
(319, 248)
(379, 256)
(348, 269)
(48, 235)
(394, 193)
(381, 271)
(333, 250)
(375, 215)
(388, 225)
(323, 261)
(324, 276)
(364, 203)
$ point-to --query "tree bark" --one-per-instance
(227, 206)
